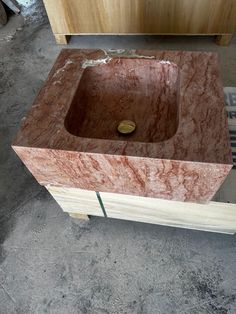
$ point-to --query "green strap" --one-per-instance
(101, 204)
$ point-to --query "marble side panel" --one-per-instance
(173, 180)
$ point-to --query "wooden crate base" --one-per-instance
(215, 216)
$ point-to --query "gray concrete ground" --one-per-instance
(51, 263)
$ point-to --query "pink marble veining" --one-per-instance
(190, 165)
(142, 90)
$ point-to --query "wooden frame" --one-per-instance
(156, 17)
(216, 216)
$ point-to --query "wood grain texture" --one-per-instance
(62, 39)
(214, 217)
(142, 16)
(76, 201)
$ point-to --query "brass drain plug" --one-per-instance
(126, 127)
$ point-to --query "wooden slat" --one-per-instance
(62, 39)
(214, 216)
(142, 16)
(78, 216)
(76, 201)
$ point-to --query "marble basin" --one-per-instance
(144, 91)
(180, 149)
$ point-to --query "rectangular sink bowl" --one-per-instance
(180, 149)
(141, 90)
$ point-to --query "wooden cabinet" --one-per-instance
(190, 17)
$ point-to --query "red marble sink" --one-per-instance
(180, 149)
(144, 91)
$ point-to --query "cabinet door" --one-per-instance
(142, 16)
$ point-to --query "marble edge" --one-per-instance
(22, 148)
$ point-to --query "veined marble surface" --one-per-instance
(189, 166)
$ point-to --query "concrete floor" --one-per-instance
(51, 263)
